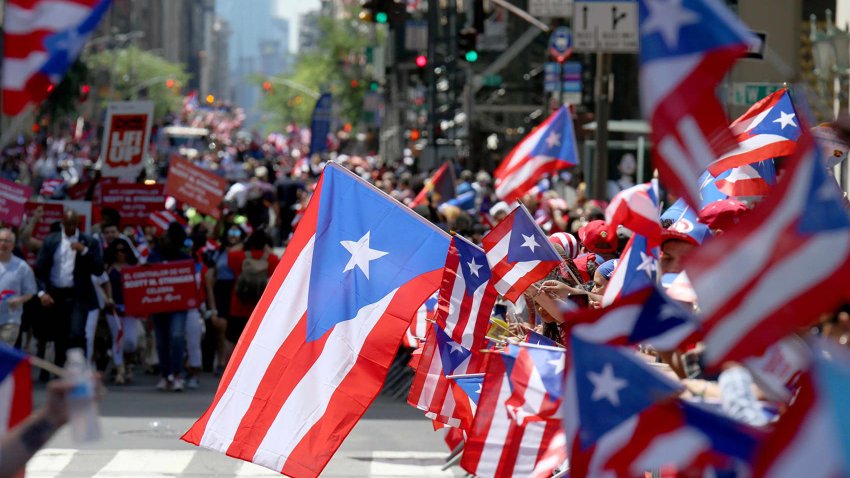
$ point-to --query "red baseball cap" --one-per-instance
(597, 237)
(723, 214)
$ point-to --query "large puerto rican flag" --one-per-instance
(42, 39)
(686, 48)
(801, 230)
(549, 148)
(318, 346)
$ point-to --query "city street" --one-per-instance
(142, 428)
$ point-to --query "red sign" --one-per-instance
(12, 199)
(135, 202)
(125, 137)
(50, 213)
(195, 186)
(157, 288)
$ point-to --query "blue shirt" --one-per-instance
(16, 279)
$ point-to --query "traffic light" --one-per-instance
(169, 83)
(467, 41)
(267, 86)
(374, 86)
(389, 12)
(210, 99)
(421, 61)
(84, 93)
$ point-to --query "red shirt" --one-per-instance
(234, 261)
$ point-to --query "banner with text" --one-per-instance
(125, 138)
(13, 196)
(135, 202)
(159, 288)
(195, 186)
(46, 214)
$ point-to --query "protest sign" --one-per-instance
(195, 186)
(125, 138)
(135, 202)
(158, 288)
(49, 214)
(12, 199)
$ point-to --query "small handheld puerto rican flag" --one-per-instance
(519, 253)
(161, 219)
(15, 388)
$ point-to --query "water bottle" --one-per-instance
(82, 406)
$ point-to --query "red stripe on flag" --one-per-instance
(362, 383)
(303, 233)
(22, 394)
(20, 46)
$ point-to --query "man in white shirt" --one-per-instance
(66, 262)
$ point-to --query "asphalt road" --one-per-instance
(141, 430)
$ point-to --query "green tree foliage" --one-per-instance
(130, 73)
(338, 65)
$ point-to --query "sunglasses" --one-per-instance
(234, 232)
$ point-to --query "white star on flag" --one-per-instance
(785, 119)
(473, 267)
(455, 347)
(558, 364)
(606, 385)
(554, 139)
(667, 17)
(647, 264)
(361, 254)
(529, 242)
(479, 388)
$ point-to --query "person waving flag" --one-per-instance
(318, 345)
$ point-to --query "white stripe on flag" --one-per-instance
(751, 144)
(455, 301)
(516, 273)
(685, 444)
(532, 436)
(468, 333)
(17, 71)
(522, 174)
(659, 78)
(435, 371)
(497, 434)
(499, 251)
(285, 311)
(807, 265)
(609, 444)
(311, 396)
(7, 390)
(51, 15)
(618, 322)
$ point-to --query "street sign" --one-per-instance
(561, 44)
(571, 80)
(550, 8)
(745, 94)
(605, 26)
(415, 35)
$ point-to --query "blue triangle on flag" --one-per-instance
(9, 360)
(550, 366)
(527, 242)
(473, 265)
(612, 385)
(833, 380)
(471, 386)
(825, 209)
(452, 354)
(659, 315)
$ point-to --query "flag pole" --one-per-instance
(45, 365)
